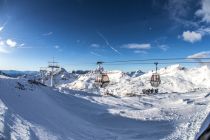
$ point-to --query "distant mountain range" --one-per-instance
(16, 73)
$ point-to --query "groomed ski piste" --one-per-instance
(76, 110)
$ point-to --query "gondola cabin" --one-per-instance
(155, 80)
(102, 80)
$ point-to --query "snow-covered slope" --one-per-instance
(174, 78)
(29, 110)
(86, 82)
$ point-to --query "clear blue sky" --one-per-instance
(77, 32)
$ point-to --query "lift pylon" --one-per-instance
(52, 65)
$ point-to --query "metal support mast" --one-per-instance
(52, 65)
(42, 72)
(156, 63)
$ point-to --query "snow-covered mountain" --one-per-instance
(30, 110)
(15, 73)
(60, 76)
(80, 71)
(86, 82)
(135, 73)
(174, 78)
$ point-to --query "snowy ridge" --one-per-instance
(135, 73)
(86, 82)
(61, 76)
(174, 78)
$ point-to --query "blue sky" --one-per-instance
(80, 32)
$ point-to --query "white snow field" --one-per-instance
(174, 78)
(77, 110)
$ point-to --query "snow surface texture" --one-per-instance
(32, 111)
(205, 126)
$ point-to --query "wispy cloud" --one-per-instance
(140, 52)
(1, 28)
(179, 10)
(24, 46)
(47, 34)
(94, 45)
(21, 45)
(95, 54)
(31, 47)
(203, 54)
(204, 12)
(196, 56)
(204, 31)
(161, 43)
(107, 43)
(28, 47)
(137, 46)
(7, 44)
(163, 47)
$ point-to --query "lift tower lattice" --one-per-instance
(52, 65)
